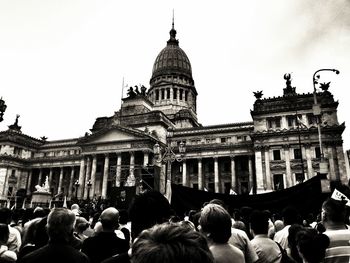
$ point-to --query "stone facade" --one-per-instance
(277, 149)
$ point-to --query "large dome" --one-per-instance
(172, 60)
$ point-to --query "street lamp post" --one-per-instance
(169, 156)
(76, 185)
(3, 107)
(88, 184)
(317, 113)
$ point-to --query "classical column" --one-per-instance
(118, 170)
(254, 185)
(29, 181)
(93, 176)
(200, 175)
(342, 164)
(60, 181)
(81, 178)
(71, 182)
(259, 169)
(233, 174)
(50, 177)
(6, 184)
(184, 173)
(40, 176)
(216, 175)
(145, 158)
(267, 183)
(288, 169)
(310, 170)
(332, 173)
(87, 177)
(105, 177)
(130, 181)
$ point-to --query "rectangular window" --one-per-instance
(269, 123)
(278, 122)
(278, 182)
(186, 95)
(299, 178)
(157, 94)
(223, 140)
(317, 152)
(297, 154)
(291, 121)
(311, 119)
(13, 173)
(276, 155)
(181, 92)
(163, 94)
(175, 94)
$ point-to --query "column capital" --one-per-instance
(232, 157)
(199, 159)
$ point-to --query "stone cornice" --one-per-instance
(20, 138)
(291, 103)
(233, 127)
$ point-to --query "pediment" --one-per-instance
(115, 135)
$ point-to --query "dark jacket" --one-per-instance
(104, 245)
(55, 253)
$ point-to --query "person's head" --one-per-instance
(289, 215)
(216, 223)
(81, 224)
(109, 219)
(333, 212)
(38, 212)
(123, 217)
(170, 243)
(60, 224)
(146, 210)
(292, 233)
(259, 222)
(311, 245)
(5, 215)
(4, 233)
(278, 225)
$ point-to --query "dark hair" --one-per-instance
(123, 216)
(5, 215)
(4, 233)
(292, 233)
(146, 210)
(171, 243)
(216, 222)
(259, 222)
(334, 210)
(312, 245)
(290, 215)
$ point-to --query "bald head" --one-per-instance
(109, 219)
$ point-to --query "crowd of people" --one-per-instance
(149, 231)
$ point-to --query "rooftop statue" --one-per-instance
(258, 94)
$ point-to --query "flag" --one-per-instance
(301, 123)
(65, 202)
(340, 197)
(232, 192)
(168, 191)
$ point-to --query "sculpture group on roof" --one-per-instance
(132, 93)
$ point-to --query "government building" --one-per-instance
(155, 138)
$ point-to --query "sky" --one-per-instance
(62, 62)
